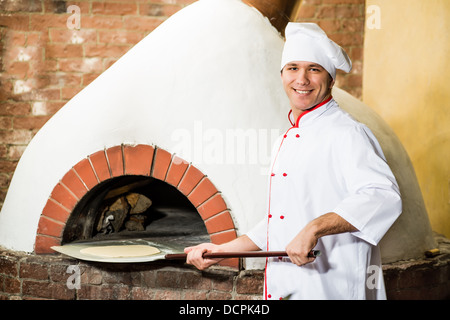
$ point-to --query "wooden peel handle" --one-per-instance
(243, 254)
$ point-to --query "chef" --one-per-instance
(330, 188)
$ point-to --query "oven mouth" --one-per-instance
(170, 218)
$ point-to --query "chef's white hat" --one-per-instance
(308, 42)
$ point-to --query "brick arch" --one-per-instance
(133, 160)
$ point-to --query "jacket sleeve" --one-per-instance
(258, 234)
(373, 199)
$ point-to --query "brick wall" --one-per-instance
(31, 277)
(44, 63)
(28, 277)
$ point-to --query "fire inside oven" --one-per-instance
(135, 207)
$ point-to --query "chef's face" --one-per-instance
(306, 84)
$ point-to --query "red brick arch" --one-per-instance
(133, 160)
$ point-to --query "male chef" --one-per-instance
(330, 188)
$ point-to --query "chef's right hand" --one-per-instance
(195, 255)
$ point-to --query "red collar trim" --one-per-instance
(307, 111)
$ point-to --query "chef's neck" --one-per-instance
(298, 112)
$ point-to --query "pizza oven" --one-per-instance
(134, 192)
(137, 206)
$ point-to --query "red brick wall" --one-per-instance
(28, 277)
(44, 63)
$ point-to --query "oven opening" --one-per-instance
(135, 207)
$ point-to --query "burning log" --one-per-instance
(125, 212)
(138, 202)
(119, 210)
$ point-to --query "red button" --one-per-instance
(272, 174)
(284, 174)
(269, 296)
(281, 217)
(285, 135)
(297, 135)
(270, 216)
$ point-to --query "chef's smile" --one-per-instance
(303, 92)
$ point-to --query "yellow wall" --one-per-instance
(407, 82)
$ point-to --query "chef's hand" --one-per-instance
(327, 224)
(299, 248)
(195, 255)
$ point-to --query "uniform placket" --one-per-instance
(279, 174)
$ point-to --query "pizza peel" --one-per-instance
(242, 254)
(167, 251)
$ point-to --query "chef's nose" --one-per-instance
(302, 78)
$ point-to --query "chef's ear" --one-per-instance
(332, 82)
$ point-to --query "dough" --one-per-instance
(124, 251)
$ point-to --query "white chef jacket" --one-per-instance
(328, 162)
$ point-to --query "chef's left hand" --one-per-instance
(299, 248)
(195, 255)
